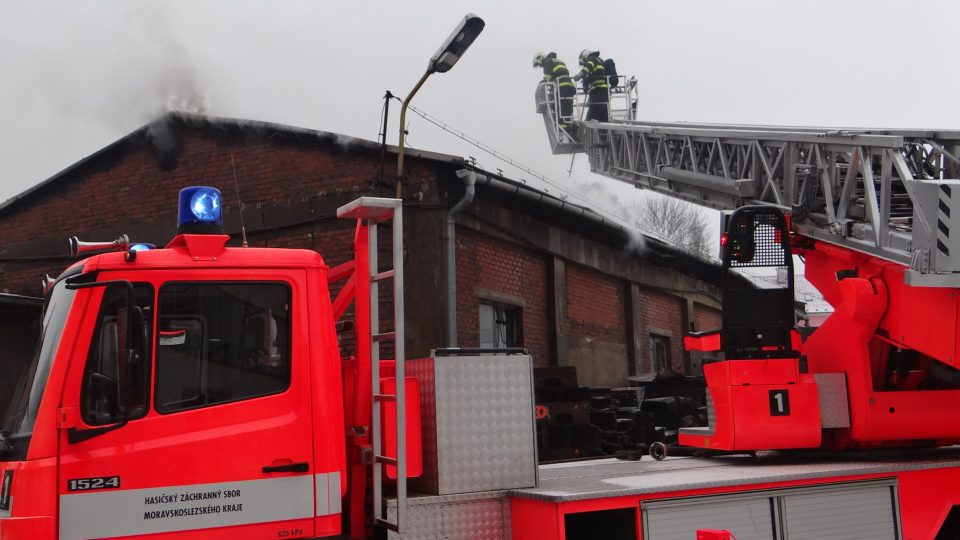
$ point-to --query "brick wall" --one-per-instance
(706, 318)
(594, 306)
(596, 331)
(495, 270)
(660, 313)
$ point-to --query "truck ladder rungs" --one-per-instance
(372, 211)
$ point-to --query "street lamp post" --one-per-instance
(441, 62)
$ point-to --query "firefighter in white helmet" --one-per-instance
(555, 71)
(594, 77)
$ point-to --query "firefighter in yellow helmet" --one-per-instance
(594, 77)
(554, 70)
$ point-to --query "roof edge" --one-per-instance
(200, 120)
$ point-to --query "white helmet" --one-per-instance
(586, 53)
(538, 58)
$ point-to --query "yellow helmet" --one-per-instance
(538, 58)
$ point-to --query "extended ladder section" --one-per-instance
(886, 193)
(370, 213)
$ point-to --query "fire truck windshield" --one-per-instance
(25, 400)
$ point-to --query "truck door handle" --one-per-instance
(292, 467)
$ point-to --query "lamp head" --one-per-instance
(455, 45)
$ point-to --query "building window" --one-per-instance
(500, 326)
(659, 352)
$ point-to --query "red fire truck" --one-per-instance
(198, 391)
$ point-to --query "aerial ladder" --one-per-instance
(870, 212)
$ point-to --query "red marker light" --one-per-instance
(723, 240)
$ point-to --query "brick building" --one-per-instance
(531, 270)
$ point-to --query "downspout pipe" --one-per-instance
(469, 183)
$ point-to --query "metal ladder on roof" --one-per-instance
(370, 213)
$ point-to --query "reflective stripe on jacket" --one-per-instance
(556, 71)
(594, 73)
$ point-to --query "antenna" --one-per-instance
(236, 186)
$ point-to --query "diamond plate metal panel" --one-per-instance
(611, 478)
(478, 423)
(482, 520)
(422, 370)
(423, 522)
(484, 516)
(832, 392)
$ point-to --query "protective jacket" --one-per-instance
(594, 74)
(554, 70)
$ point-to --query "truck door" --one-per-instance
(209, 430)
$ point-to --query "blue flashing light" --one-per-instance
(142, 247)
(199, 210)
(205, 205)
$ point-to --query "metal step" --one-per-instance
(385, 336)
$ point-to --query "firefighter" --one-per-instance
(554, 70)
(594, 77)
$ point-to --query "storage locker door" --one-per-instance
(749, 518)
(863, 512)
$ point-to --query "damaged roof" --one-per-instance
(585, 218)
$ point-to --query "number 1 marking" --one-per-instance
(779, 403)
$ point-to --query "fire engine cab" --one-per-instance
(180, 389)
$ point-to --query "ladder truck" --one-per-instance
(198, 390)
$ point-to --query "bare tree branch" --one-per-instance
(674, 221)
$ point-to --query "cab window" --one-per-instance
(117, 372)
(221, 342)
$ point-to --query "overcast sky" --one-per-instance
(75, 76)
